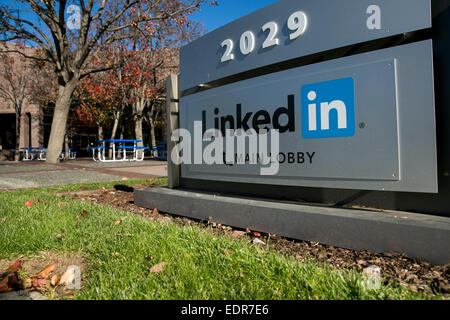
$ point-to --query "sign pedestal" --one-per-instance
(391, 231)
(363, 112)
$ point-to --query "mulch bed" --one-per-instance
(395, 268)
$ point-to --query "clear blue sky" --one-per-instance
(214, 17)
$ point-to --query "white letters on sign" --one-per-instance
(297, 23)
(272, 39)
(228, 51)
(247, 42)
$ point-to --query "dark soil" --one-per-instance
(396, 268)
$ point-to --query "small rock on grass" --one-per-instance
(258, 242)
(34, 295)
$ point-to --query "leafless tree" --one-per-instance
(15, 85)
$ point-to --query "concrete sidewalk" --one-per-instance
(19, 175)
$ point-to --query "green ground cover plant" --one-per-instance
(122, 249)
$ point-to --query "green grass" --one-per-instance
(201, 265)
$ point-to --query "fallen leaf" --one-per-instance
(155, 211)
(62, 203)
(58, 236)
(29, 203)
(361, 262)
(79, 217)
(228, 252)
(54, 280)
(45, 272)
(124, 179)
(117, 222)
(236, 234)
(9, 283)
(84, 214)
(3, 219)
(4, 285)
(15, 266)
(41, 284)
(257, 234)
(158, 267)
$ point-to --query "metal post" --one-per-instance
(172, 124)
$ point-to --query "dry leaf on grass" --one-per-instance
(29, 203)
(84, 214)
(14, 267)
(155, 211)
(124, 179)
(117, 222)
(9, 283)
(158, 267)
(236, 234)
(41, 284)
(54, 280)
(45, 272)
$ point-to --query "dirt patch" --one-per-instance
(396, 268)
(34, 264)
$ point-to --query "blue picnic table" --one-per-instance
(99, 152)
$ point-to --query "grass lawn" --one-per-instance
(200, 265)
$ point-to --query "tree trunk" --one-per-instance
(100, 132)
(138, 133)
(152, 132)
(114, 129)
(138, 108)
(17, 153)
(59, 122)
(66, 146)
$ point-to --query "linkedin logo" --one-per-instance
(328, 109)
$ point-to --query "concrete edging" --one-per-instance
(418, 236)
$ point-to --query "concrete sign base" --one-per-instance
(416, 235)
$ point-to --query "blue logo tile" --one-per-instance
(328, 109)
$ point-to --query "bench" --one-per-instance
(135, 151)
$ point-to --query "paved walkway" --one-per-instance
(19, 175)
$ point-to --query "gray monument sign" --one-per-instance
(352, 99)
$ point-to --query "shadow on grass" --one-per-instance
(121, 187)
